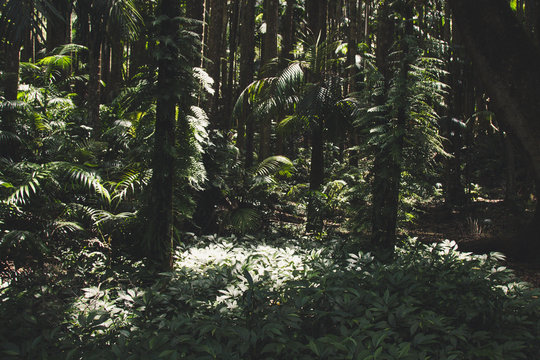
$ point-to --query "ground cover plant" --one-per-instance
(245, 298)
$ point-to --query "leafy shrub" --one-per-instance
(234, 298)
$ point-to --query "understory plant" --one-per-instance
(244, 298)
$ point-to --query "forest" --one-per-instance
(269, 179)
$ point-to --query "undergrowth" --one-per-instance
(232, 298)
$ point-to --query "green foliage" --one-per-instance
(231, 298)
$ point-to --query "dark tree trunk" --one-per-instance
(387, 166)
(352, 40)
(230, 94)
(10, 85)
(289, 31)
(271, 8)
(316, 176)
(213, 53)
(506, 60)
(94, 77)
(159, 235)
(117, 69)
(105, 71)
(82, 38)
(247, 71)
(59, 25)
(316, 17)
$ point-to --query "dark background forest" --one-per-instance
(277, 179)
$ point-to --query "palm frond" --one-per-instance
(244, 220)
(273, 165)
(90, 180)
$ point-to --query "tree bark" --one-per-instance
(316, 17)
(505, 59)
(213, 53)
(230, 94)
(247, 71)
(387, 165)
(159, 235)
(288, 31)
(94, 78)
(59, 25)
(271, 8)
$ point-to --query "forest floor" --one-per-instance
(481, 227)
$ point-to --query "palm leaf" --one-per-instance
(273, 165)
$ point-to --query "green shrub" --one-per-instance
(244, 299)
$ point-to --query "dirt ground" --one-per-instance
(481, 227)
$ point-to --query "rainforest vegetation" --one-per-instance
(269, 179)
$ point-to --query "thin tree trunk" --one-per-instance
(230, 94)
(11, 84)
(213, 53)
(247, 71)
(316, 176)
(289, 31)
(269, 53)
(82, 38)
(105, 71)
(94, 78)
(117, 69)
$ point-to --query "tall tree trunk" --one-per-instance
(59, 25)
(505, 59)
(316, 17)
(289, 31)
(387, 165)
(82, 38)
(159, 234)
(230, 94)
(105, 71)
(94, 77)
(247, 71)
(213, 53)
(11, 86)
(117, 68)
(316, 176)
(271, 8)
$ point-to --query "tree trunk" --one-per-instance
(94, 77)
(11, 86)
(159, 235)
(316, 17)
(247, 71)
(505, 59)
(352, 44)
(387, 166)
(289, 31)
(316, 176)
(117, 68)
(59, 25)
(271, 8)
(213, 53)
(230, 94)
(105, 71)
